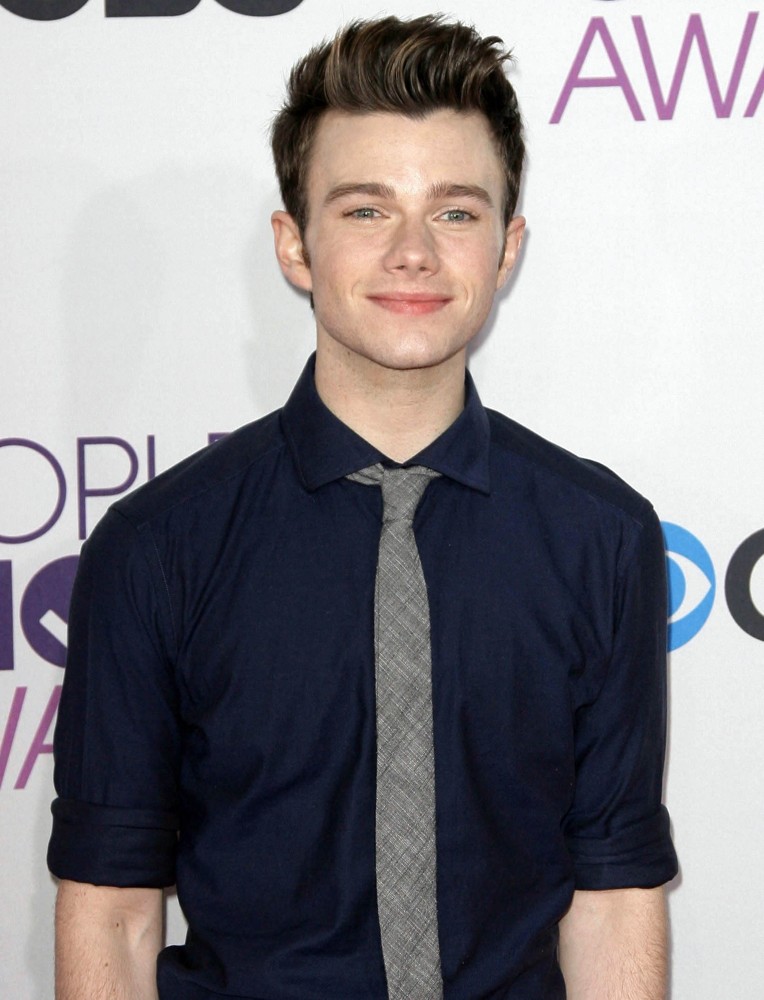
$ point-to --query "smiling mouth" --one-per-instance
(411, 304)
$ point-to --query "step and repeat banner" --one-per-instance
(142, 314)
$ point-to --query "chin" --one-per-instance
(415, 359)
(394, 349)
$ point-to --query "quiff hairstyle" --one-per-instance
(409, 67)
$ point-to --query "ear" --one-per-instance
(512, 244)
(290, 251)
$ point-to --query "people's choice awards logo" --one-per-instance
(632, 60)
(691, 584)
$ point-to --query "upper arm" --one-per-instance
(617, 830)
(117, 739)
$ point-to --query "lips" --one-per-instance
(410, 303)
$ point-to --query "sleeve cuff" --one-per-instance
(641, 856)
(104, 845)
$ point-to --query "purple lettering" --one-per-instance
(753, 104)
(45, 609)
(695, 32)
(108, 491)
(6, 615)
(39, 746)
(60, 479)
(151, 459)
(597, 26)
(10, 729)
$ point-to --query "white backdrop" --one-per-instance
(142, 310)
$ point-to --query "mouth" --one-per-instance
(410, 303)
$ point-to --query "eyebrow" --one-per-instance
(373, 190)
(444, 190)
(435, 192)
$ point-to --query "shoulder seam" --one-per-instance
(206, 488)
(645, 505)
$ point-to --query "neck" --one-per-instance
(399, 412)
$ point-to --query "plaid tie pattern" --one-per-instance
(405, 807)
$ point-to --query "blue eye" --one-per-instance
(691, 584)
(456, 215)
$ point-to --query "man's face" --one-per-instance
(405, 244)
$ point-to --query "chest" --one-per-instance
(277, 660)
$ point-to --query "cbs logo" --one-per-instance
(692, 584)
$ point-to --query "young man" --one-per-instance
(378, 760)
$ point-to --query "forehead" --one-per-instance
(403, 152)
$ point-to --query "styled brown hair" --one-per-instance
(409, 67)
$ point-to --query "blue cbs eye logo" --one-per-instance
(691, 584)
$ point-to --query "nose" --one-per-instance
(412, 249)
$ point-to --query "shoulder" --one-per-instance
(207, 477)
(521, 454)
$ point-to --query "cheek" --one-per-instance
(483, 268)
(476, 255)
(324, 271)
(337, 260)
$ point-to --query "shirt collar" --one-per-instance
(325, 449)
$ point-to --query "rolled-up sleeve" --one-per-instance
(117, 738)
(617, 830)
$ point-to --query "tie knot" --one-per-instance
(402, 489)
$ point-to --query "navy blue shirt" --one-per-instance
(216, 727)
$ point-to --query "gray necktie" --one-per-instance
(405, 824)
